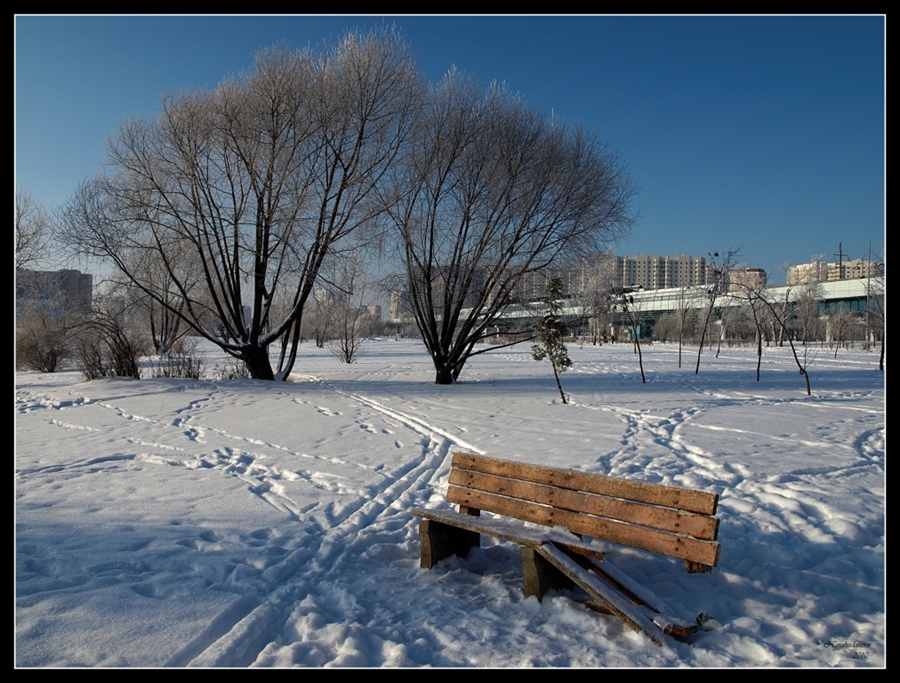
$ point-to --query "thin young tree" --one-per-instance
(627, 306)
(720, 266)
(781, 314)
(684, 311)
(346, 296)
(551, 330)
(753, 297)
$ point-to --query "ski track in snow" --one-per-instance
(237, 636)
(281, 604)
(351, 536)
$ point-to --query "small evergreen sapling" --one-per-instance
(550, 331)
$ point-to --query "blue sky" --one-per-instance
(766, 133)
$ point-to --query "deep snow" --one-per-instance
(168, 522)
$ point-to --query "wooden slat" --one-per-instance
(509, 530)
(614, 601)
(627, 585)
(667, 519)
(673, 545)
(691, 500)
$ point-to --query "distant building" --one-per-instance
(661, 272)
(820, 271)
(59, 291)
(608, 272)
(817, 271)
(755, 278)
(855, 269)
(401, 310)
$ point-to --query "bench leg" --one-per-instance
(540, 576)
(696, 567)
(442, 540)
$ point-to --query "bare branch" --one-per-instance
(32, 230)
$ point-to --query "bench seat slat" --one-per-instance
(667, 519)
(691, 500)
(510, 530)
(673, 545)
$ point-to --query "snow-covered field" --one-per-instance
(168, 522)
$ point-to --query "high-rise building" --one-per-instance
(59, 290)
(754, 278)
(661, 272)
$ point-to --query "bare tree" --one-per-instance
(781, 313)
(163, 314)
(685, 313)
(317, 321)
(759, 312)
(42, 335)
(627, 306)
(347, 297)
(806, 296)
(253, 184)
(108, 340)
(597, 274)
(875, 312)
(33, 224)
(490, 193)
(841, 325)
(720, 266)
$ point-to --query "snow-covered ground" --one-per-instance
(168, 522)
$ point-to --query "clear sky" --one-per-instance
(766, 133)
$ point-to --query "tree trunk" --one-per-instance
(257, 362)
(558, 385)
(285, 370)
(641, 362)
(444, 375)
(758, 351)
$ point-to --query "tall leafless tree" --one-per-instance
(258, 181)
(32, 225)
(597, 284)
(490, 193)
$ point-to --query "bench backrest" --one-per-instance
(670, 520)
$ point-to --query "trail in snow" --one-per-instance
(253, 524)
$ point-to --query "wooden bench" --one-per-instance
(574, 508)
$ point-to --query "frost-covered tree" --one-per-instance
(597, 275)
(490, 194)
(348, 286)
(32, 228)
(253, 185)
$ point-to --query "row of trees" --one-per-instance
(112, 336)
(232, 207)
